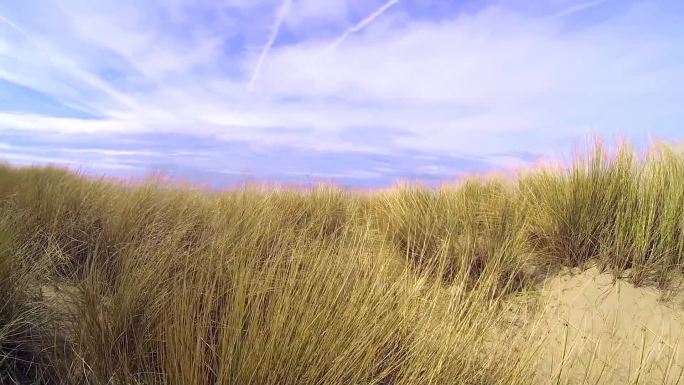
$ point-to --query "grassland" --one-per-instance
(113, 283)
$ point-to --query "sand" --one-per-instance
(598, 331)
(589, 329)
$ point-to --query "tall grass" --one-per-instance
(625, 213)
(158, 285)
(29, 351)
(475, 228)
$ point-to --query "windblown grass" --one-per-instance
(29, 353)
(158, 285)
(626, 214)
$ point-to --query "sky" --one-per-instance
(362, 93)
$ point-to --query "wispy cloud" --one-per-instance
(363, 23)
(279, 18)
(495, 79)
(576, 8)
(9, 23)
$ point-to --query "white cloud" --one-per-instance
(26, 159)
(275, 28)
(365, 22)
(485, 82)
(524, 74)
(575, 8)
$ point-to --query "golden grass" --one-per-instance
(108, 283)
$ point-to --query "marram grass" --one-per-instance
(106, 283)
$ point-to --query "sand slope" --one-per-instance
(603, 332)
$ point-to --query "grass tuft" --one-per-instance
(106, 283)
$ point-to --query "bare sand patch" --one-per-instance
(600, 331)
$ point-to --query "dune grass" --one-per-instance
(110, 283)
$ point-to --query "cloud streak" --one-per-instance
(363, 23)
(477, 88)
(281, 14)
(577, 8)
(15, 27)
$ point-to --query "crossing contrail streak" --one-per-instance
(280, 17)
(577, 8)
(363, 23)
(12, 25)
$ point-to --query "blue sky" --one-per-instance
(359, 92)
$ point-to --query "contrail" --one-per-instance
(280, 17)
(363, 23)
(576, 8)
(12, 25)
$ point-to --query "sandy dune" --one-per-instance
(604, 332)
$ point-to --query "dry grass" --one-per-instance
(156, 285)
